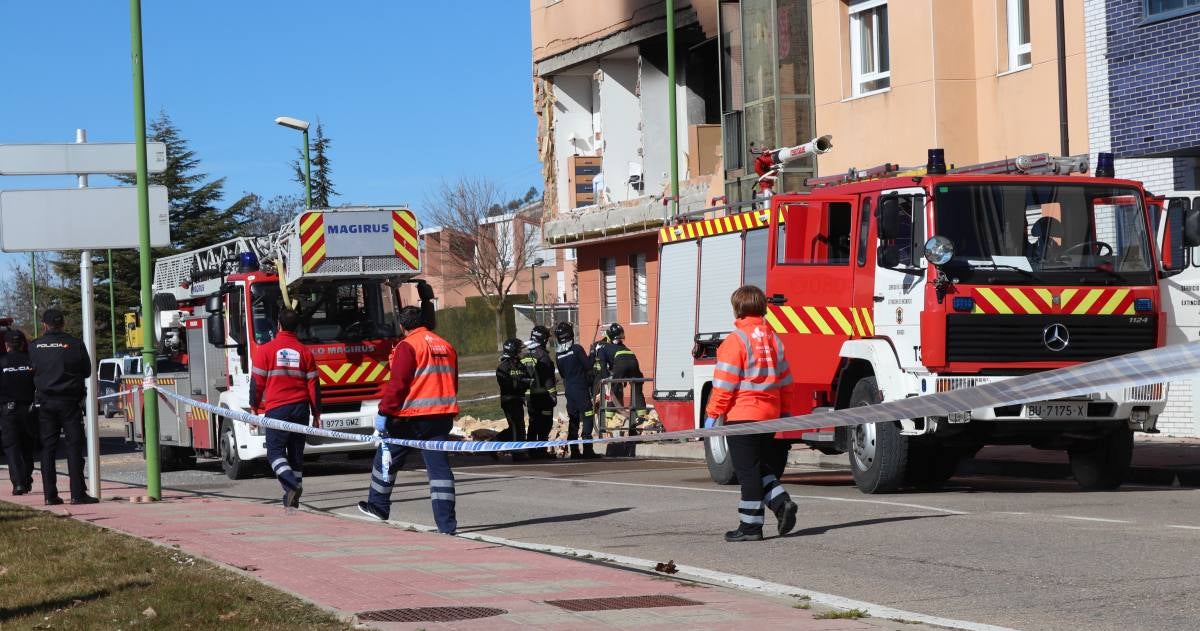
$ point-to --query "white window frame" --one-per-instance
(858, 77)
(608, 277)
(639, 297)
(1016, 48)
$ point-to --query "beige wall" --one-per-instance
(567, 24)
(949, 85)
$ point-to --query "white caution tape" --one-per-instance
(1147, 367)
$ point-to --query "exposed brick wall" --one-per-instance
(1153, 81)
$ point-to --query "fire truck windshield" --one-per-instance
(330, 311)
(1044, 233)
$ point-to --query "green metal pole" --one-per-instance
(112, 305)
(150, 399)
(307, 174)
(674, 132)
(33, 291)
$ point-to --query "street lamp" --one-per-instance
(302, 126)
(533, 284)
(545, 303)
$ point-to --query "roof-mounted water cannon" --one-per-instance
(769, 161)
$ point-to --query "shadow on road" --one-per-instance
(548, 520)
(820, 530)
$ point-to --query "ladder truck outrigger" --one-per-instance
(893, 282)
(342, 269)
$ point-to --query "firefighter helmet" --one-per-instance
(563, 332)
(512, 347)
(615, 332)
(540, 335)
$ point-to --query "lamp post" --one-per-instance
(302, 126)
(533, 284)
(545, 302)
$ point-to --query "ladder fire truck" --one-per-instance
(340, 268)
(890, 283)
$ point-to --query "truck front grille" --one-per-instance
(1023, 338)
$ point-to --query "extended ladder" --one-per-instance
(1035, 164)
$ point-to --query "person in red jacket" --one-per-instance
(285, 387)
(750, 383)
(419, 402)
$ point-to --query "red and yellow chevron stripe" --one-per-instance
(813, 320)
(404, 237)
(1040, 300)
(750, 220)
(369, 371)
(312, 240)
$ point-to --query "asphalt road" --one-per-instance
(1027, 554)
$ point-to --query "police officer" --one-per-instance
(285, 387)
(18, 422)
(622, 363)
(60, 364)
(513, 382)
(542, 395)
(577, 382)
(419, 402)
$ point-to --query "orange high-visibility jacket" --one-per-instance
(751, 376)
(424, 379)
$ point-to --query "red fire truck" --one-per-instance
(340, 268)
(893, 283)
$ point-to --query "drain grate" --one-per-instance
(622, 602)
(430, 614)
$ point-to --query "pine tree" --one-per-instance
(322, 180)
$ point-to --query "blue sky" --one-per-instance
(410, 92)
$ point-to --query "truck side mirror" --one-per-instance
(1191, 227)
(216, 328)
(214, 304)
(887, 217)
(888, 256)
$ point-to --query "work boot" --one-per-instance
(589, 452)
(786, 514)
(86, 499)
(575, 455)
(371, 511)
(53, 501)
(744, 533)
(20, 490)
(291, 498)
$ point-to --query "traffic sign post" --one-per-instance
(84, 218)
(78, 159)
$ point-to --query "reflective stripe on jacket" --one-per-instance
(284, 373)
(751, 378)
(430, 374)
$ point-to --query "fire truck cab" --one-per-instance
(921, 281)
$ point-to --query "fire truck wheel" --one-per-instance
(231, 463)
(878, 453)
(1103, 465)
(720, 465)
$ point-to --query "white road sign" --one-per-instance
(79, 158)
(79, 219)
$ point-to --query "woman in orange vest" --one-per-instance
(750, 383)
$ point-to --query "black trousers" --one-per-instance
(285, 450)
(59, 416)
(541, 416)
(759, 460)
(19, 431)
(514, 413)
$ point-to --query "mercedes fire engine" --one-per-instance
(340, 268)
(890, 283)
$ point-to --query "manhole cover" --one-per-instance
(622, 602)
(430, 614)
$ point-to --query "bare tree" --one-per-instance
(16, 296)
(265, 216)
(485, 250)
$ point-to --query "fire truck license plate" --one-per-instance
(1057, 409)
(339, 423)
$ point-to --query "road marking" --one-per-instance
(1184, 527)
(1099, 519)
(711, 577)
(935, 509)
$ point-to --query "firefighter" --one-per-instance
(542, 396)
(285, 387)
(60, 364)
(622, 363)
(513, 382)
(18, 420)
(419, 402)
(750, 383)
(577, 381)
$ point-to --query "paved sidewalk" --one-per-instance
(352, 566)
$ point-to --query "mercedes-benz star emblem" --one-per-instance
(1056, 337)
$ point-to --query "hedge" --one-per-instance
(472, 329)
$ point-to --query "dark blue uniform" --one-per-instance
(576, 371)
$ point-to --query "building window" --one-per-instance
(1019, 55)
(637, 288)
(1162, 9)
(608, 289)
(870, 66)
